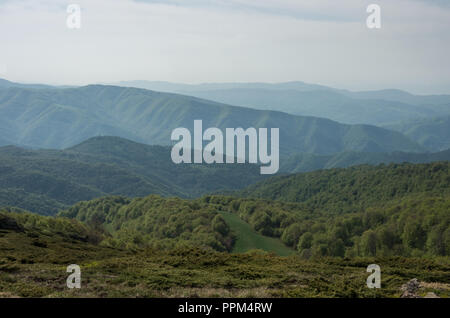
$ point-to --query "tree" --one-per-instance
(336, 248)
(368, 244)
(413, 234)
(261, 222)
(219, 225)
(305, 241)
(386, 237)
(291, 234)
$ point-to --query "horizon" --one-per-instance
(229, 41)
(120, 83)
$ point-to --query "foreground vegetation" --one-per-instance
(412, 226)
(315, 238)
(34, 254)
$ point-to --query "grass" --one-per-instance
(28, 269)
(248, 239)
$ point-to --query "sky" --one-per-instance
(196, 41)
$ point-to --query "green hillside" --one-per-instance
(361, 211)
(311, 162)
(45, 181)
(60, 118)
(248, 239)
(154, 221)
(34, 254)
(350, 189)
(395, 216)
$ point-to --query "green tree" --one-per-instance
(305, 241)
(219, 225)
(413, 234)
(291, 234)
(368, 244)
(336, 248)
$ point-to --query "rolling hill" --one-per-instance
(45, 181)
(321, 103)
(432, 133)
(354, 188)
(366, 107)
(361, 211)
(61, 118)
(311, 162)
(398, 209)
(247, 239)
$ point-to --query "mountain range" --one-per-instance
(432, 133)
(422, 118)
(380, 107)
(63, 117)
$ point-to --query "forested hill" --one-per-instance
(354, 188)
(361, 211)
(45, 181)
(310, 162)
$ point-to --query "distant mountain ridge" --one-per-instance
(433, 133)
(378, 107)
(8, 84)
(60, 118)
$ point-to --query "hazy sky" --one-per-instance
(317, 41)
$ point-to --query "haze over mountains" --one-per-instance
(392, 109)
(60, 118)
(366, 107)
(7, 84)
(432, 133)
